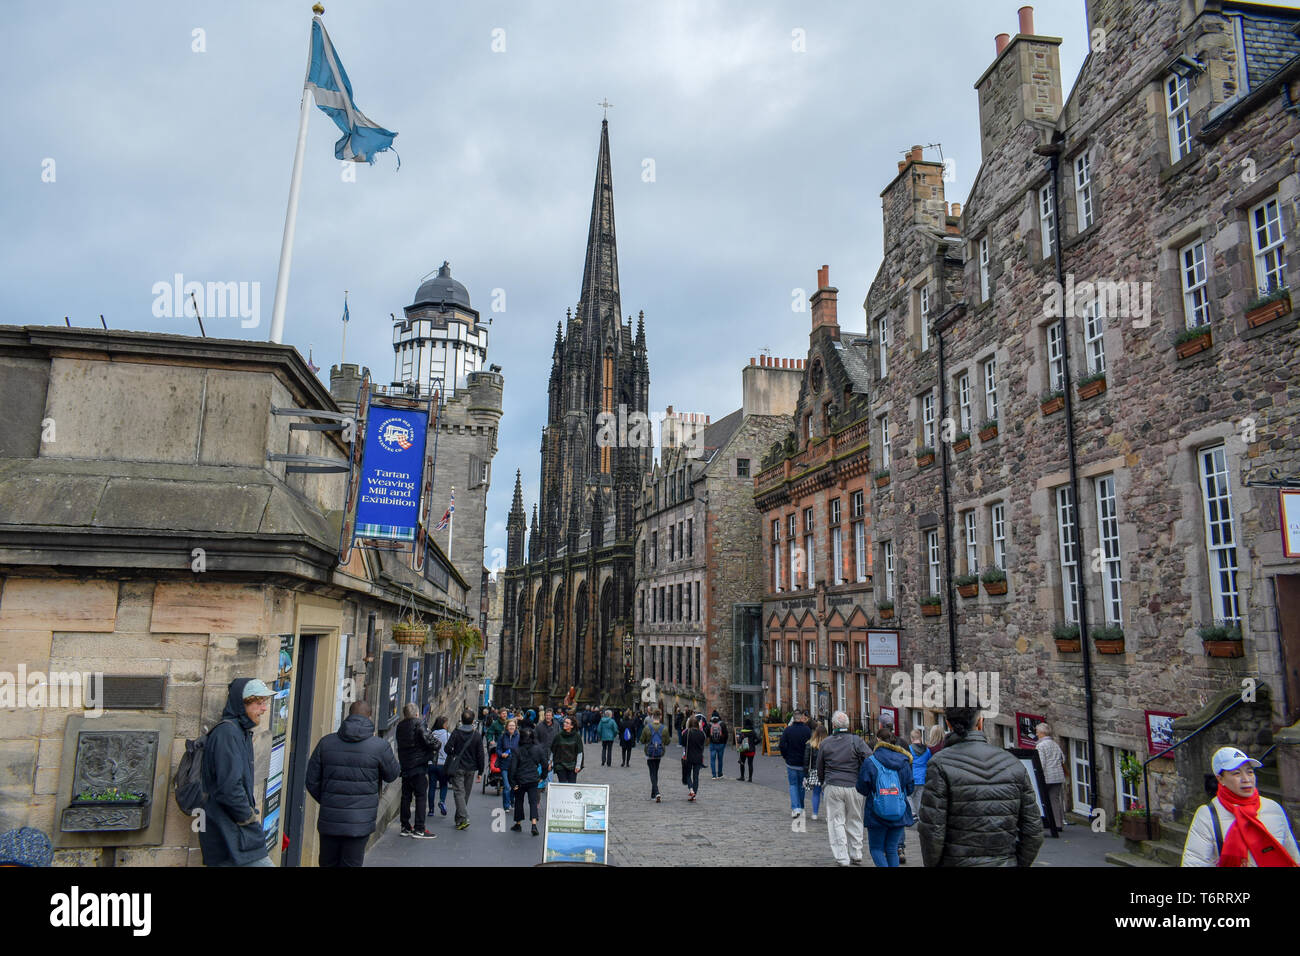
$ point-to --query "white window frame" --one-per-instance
(1179, 114)
(972, 543)
(991, 389)
(923, 317)
(776, 552)
(809, 546)
(860, 551)
(1046, 220)
(1112, 573)
(963, 402)
(932, 561)
(1126, 796)
(887, 561)
(1220, 533)
(1196, 294)
(882, 341)
(864, 699)
(927, 420)
(1081, 777)
(839, 690)
(1268, 242)
(1056, 356)
(998, 529)
(1094, 342)
(837, 554)
(1067, 539)
(984, 268)
(1083, 190)
(884, 441)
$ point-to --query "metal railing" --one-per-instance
(1146, 790)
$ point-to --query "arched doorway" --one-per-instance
(580, 616)
(606, 633)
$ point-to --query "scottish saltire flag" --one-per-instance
(332, 90)
(345, 310)
(446, 515)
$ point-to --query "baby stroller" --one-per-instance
(493, 776)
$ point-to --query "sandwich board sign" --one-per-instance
(576, 823)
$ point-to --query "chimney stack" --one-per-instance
(823, 301)
(1026, 20)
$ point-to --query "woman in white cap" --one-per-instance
(1239, 827)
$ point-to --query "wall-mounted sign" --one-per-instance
(1160, 730)
(392, 472)
(1027, 729)
(889, 718)
(1288, 503)
(882, 649)
(390, 689)
(279, 732)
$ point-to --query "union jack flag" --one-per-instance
(446, 515)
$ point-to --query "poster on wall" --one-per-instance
(1160, 730)
(430, 688)
(413, 681)
(1288, 502)
(1026, 729)
(390, 689)
(279, 732)
(391, 474)
(577, 823)
(882, 649)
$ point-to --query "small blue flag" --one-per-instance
(345, 310)
(329, 85)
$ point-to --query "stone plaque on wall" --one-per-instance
(125, 692)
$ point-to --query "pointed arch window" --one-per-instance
(607, 404)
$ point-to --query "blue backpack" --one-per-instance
(655, 749)
(888, 801)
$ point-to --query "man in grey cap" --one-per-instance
(232, 828)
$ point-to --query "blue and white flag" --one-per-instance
(329, 85)
(345, 309)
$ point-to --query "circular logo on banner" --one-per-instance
(396, 434)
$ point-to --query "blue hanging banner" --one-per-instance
(392, 472)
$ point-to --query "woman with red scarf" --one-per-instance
(1239, 827)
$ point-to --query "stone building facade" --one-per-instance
(1117, 466)
(146, 536)
(568, 600)
(813, 493)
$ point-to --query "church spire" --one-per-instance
(600, 274)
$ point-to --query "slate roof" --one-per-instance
(1270, 44)
(854, 352)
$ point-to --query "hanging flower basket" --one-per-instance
(410, 632)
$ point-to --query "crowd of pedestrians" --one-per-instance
(971, 802)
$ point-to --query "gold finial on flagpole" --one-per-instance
(317, 9)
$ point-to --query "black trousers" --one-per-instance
(747, 759)
(566, 776)
(534, 797)
(653, 764)
(627, 755)
(607, 753)
(342, 851)
(416, 785)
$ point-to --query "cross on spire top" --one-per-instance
(605, 104)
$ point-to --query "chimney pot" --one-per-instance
(956, 210)
(751, 361)
(823, 277)
(915, 154)
(1026, 20)
(902, 164)
(1001, 41)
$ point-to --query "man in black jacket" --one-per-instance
(416, 747)
(793, 747)
(232, 832)
(344, 776)
(464, 760)
(978, 806)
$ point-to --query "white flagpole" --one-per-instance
(290, 221)
(344, 350)
(451, 525)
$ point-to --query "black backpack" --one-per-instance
(188, 781)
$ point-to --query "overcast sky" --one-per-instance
(768, 161)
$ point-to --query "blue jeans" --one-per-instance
(817, 798)
(438, 778)
(795, 776)
(716, 753)
(506, 797)
(883, 843)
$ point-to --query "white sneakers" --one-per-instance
(794, 814)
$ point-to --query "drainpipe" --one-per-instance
(947, 506)
(1053, 153)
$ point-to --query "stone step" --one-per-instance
(1125, 858)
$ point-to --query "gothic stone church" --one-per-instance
(568, 602)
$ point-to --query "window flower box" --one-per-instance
(961, 443)
(931, 606)
(1092, 385)
(1109, 639)
(1194, 340)
(989, 430)
(1051, 402)
(1222, 640)
(995, 581)
(924, 457)
(968, 585)
(1067, 638)
(1269, 306)
(882, 478)
(886, 609)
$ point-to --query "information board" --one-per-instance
(392, 472)
(772, 738)
(577, 823)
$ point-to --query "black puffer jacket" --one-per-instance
(344, 776)
(465, 751)
(524, 763)
(416, 746)
(978, 807)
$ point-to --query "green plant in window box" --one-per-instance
(995, 581)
